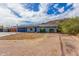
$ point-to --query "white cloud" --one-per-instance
(7, 17)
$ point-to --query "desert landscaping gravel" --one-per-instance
(39, 44)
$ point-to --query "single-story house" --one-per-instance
(40, 28)
(44, 27)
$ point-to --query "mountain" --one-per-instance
(55, 22)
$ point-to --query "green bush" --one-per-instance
(42, 30)
(69, 26)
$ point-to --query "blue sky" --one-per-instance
(36, 12)
(50, 7)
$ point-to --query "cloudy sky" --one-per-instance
(30, 13)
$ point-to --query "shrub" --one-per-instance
(42, 30)
(69, 26)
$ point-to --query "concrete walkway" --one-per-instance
(6, 33)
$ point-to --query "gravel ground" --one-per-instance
(39, 44)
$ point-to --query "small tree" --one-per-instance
(69, 26)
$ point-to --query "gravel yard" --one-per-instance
(38, 44)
